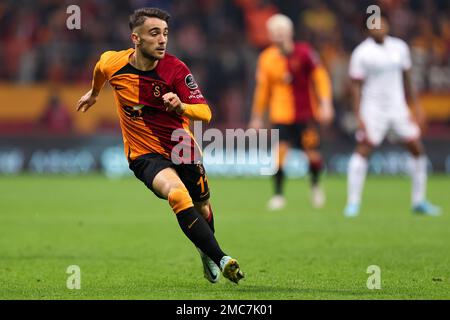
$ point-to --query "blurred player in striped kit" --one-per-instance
(293, 84)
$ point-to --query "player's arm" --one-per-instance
(90, 98)
(356, 92)
(410, 92)
(186, 99)
(260, 96)
(199, 111)
(357, 73)
(412, 99)
(322, 88)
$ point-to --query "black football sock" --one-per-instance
(315, 169)
(279, 180)
(210, 219)
(198, 231)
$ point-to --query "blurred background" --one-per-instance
(46, 68)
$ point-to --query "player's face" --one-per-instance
(151, 38)
(280, 35)
(379, 34)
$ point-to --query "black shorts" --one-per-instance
(193, 176)
(300, 135)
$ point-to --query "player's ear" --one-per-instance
(135, 38)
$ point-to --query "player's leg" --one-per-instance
(210, 270)
(169, 186)
(204, 208)
(194, 178)
(410, 133)
(315, 169)
(310, 143)
(356, 176)
(278, 200)
(373, 133)
(229, 266)
(158, 174)
(418, 172)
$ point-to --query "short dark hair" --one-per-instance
(139, 16)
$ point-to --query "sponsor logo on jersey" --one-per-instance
(134, 112)
(195, 94)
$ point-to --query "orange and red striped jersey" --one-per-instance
(146, 126)
(284, 83)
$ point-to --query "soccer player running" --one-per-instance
(382, 90)
(156, 95)
(291, 81)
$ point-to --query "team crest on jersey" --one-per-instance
(190, 82)
(156, 91)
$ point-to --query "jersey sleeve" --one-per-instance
(322, 82)
(186, 87)
(357, 70)
(100, 75)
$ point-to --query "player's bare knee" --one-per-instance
(179, 198)
(364, 149)
(203, 208)
(417, 152)
(163, 187)
(416, 148)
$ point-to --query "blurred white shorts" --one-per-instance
(379, 123)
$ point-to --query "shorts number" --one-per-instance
(201, 182)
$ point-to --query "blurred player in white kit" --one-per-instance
(382, 90)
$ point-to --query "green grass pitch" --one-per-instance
(128, 245)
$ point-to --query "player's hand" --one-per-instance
(86, 101)
(173, 103)
(326, 114)
(256, 123)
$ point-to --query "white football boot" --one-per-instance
(277, 202)
(317, 197)
(211, 271)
